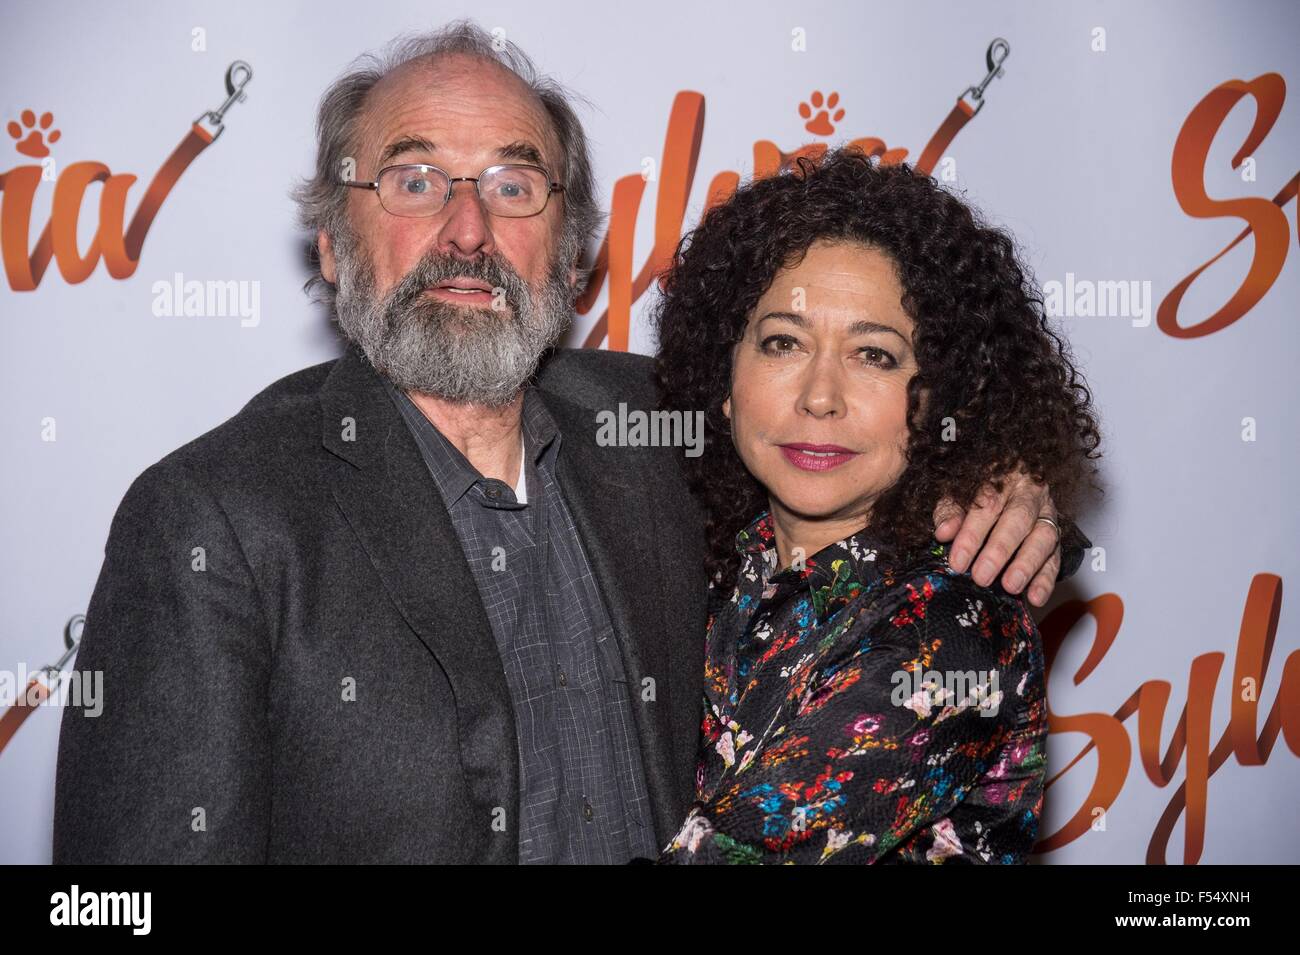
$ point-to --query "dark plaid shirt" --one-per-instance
(582, 794)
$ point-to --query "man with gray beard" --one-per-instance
(404, 607)
(447, 349)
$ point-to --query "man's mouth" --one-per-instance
(465, 285)
(465, 290)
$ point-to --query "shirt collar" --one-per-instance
(540, 430)
(833, 576)
(451, 470)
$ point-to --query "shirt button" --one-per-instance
(493, 492)
(564, 679)
(587, 812)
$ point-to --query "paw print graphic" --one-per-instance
(827, 115)
(34, 144)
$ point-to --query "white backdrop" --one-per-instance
(1072, 151)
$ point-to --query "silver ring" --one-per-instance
(1055, 526)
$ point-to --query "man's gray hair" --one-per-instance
(322, 201)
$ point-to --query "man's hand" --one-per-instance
(1013, 518)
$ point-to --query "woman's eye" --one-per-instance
(779, 345)
(878, 356)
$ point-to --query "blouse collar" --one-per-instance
(834, 576)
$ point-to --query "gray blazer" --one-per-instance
(296, 664)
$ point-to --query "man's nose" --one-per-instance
(465, 227)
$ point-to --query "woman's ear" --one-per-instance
(922, 405)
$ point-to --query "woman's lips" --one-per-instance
(817, 457)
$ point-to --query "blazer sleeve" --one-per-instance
(858, 763)
(1074, 544)
(173, 762)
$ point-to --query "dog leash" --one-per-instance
(121, 252)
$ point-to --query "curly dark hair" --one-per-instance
(984, 347)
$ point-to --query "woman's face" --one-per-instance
(818, 403)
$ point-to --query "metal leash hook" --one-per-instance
(238, 76)
(997, 54)
(71, 640)
(42, 684)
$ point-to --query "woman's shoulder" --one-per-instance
(923, 593)
(938, 624)
(931, 564)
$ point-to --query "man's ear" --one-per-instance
(726, 407)
(326, 249)
(573, 269)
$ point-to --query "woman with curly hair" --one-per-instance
(863, 345)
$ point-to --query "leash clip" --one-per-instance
(997, 54)
(239, 75)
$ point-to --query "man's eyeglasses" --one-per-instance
(414, 190)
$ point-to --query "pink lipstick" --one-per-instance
(817, 457)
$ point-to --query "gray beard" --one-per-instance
(462, 353)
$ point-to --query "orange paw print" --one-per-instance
(34, 144)
(822, 123)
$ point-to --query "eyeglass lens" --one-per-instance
(422, 190)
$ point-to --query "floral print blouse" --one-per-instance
(855, 714)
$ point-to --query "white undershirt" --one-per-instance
(521, 486)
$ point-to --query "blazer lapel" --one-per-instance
(383, 488)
